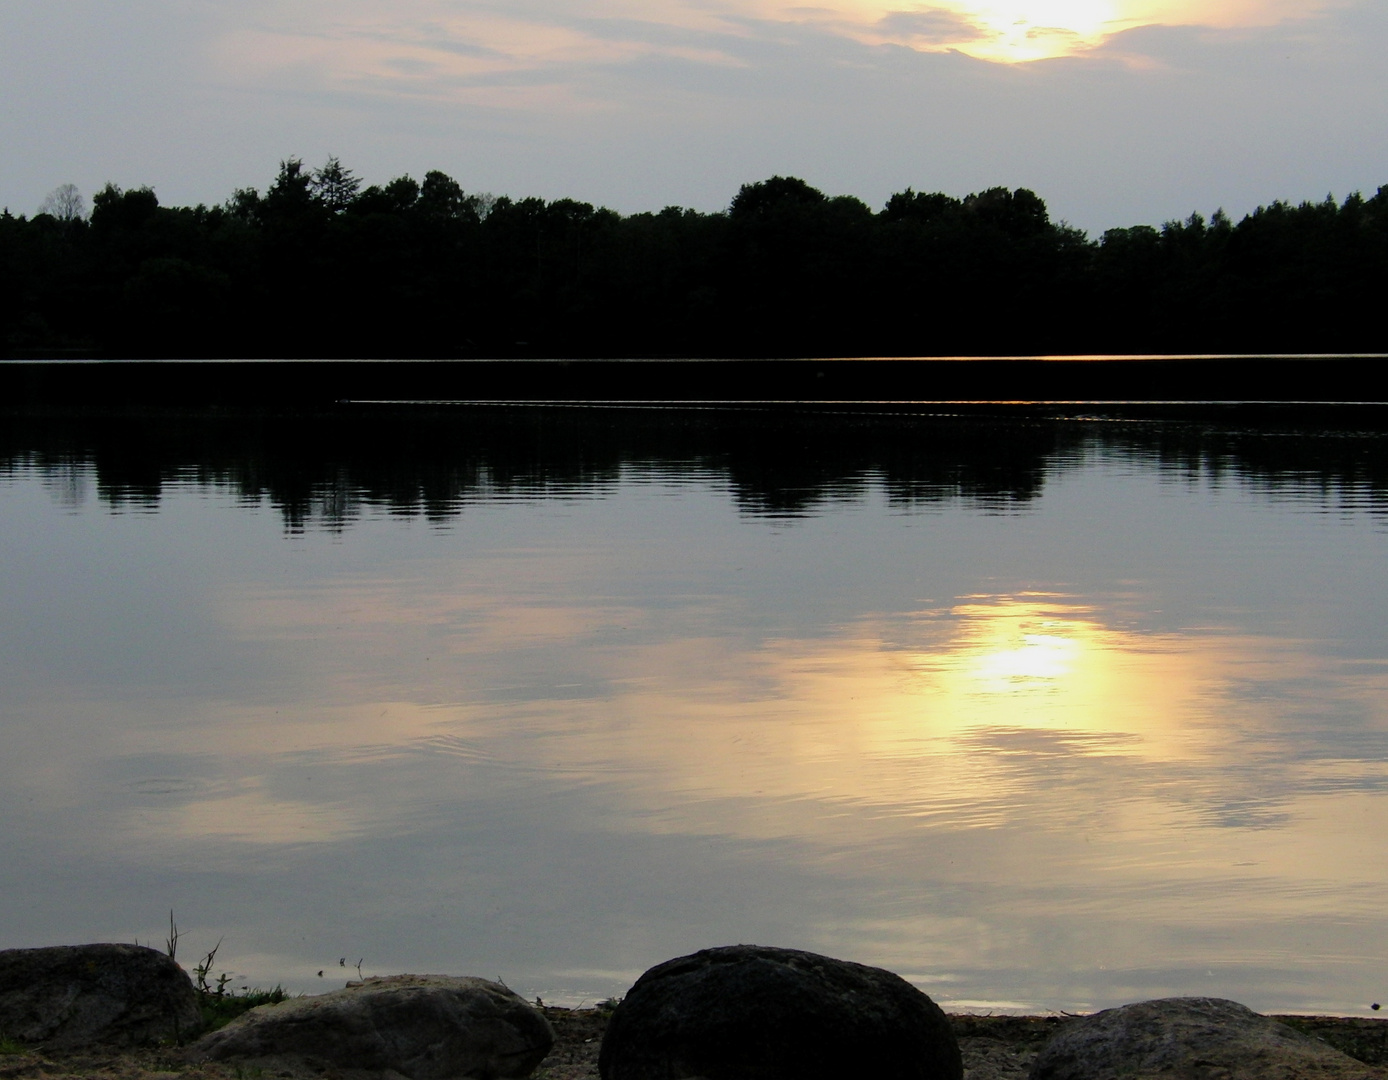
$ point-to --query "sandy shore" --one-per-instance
(994, 1048)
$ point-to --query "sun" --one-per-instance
(1019, 30)
(1011, 31)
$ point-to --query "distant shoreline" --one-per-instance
(1227, 380)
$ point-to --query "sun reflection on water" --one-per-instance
(1039, 662)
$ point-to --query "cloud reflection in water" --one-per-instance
(1056, 759)
(1032, 772)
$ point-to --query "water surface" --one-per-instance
(1043, 714)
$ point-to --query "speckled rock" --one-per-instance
(746, 1012)
(1193, 1038)
(425, 1027)
(70, 996)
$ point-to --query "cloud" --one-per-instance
(511, 58)
(540, 53)
(933, 25)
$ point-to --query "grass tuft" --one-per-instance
(221, 1008)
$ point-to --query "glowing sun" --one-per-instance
(1034, 29)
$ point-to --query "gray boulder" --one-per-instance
(71, 996)
(747, 1012)
(426, 1027)
(1197, 1038)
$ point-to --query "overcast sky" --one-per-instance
(1116, 112)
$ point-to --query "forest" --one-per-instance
(321, 265)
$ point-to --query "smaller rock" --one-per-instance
(1195, 1038)
(71, 996)
(425, 1027)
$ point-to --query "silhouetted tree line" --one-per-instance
(325, 468)
(319, 265)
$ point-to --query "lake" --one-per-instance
(1043, 709)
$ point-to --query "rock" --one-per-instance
(1197, 1038)
(1002, 1047)
(746, 1012)
(71, 996)
(426, 1027)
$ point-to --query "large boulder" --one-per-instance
(1194, 1038)
(426, 1027)
(747, 1012)
(71, 996)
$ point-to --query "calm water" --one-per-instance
(1041, 714)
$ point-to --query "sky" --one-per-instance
(1117, 112)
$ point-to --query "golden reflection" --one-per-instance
(998, 713)
(1038, 659)
(962, 716)
(254, 816)
(956, 717)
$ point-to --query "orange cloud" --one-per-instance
(473, 52)
(1020, 30)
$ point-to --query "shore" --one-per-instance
(994, 1048)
